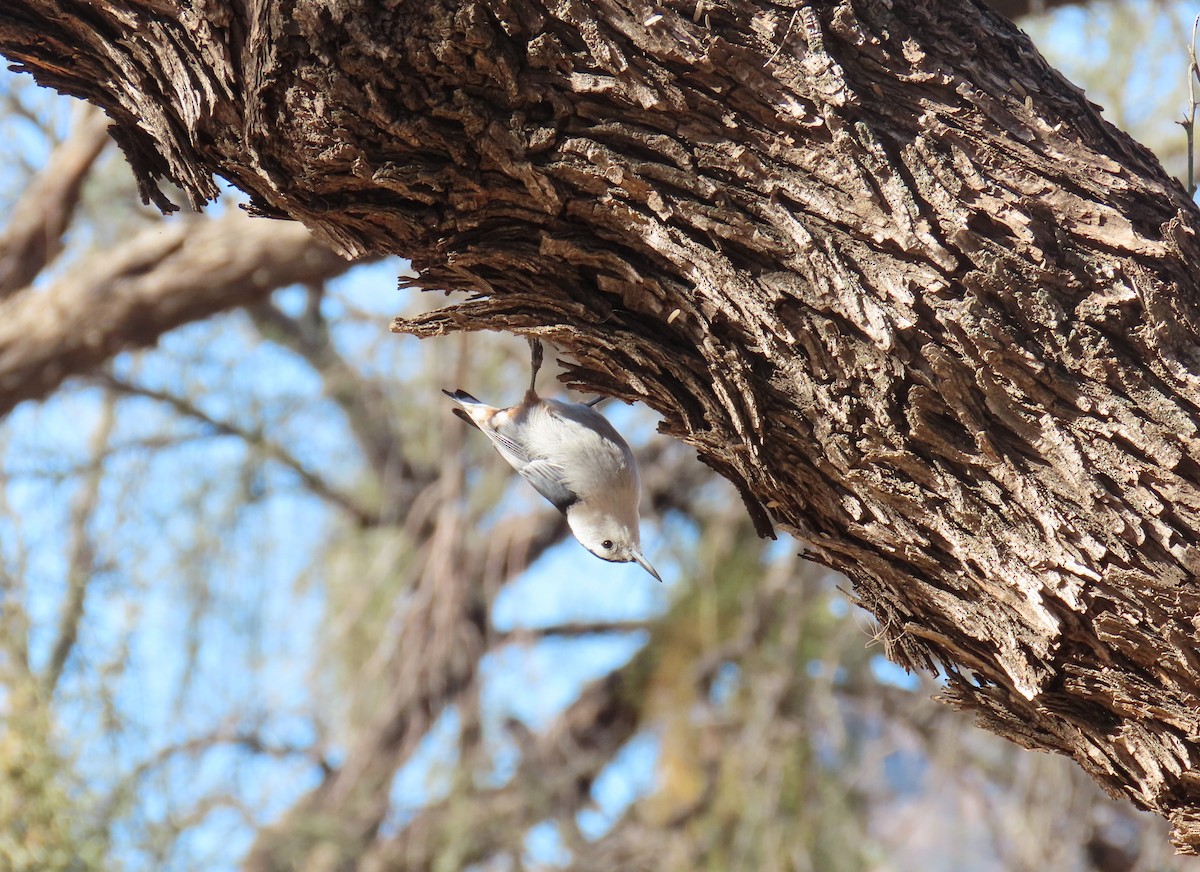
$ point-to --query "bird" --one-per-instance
(574, 458)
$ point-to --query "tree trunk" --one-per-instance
(884, 268)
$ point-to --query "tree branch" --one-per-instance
(247, 739)
(363, 516)
(32, 239)
(1017, 8)
(361, 400)
(528, 635)
(554, 779)
(164, 277)
(81, 560)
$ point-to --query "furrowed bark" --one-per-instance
(884, 268)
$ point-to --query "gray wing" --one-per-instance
(547, 477)
(605, 468)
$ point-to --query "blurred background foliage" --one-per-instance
(267, 605)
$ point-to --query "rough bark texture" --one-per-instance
(879, 264)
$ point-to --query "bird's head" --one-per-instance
(609, 538)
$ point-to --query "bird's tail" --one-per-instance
(467, 401)
(462, 397)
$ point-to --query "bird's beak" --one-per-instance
(645, 564)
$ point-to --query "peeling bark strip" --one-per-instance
(877, 262)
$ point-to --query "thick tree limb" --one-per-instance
(128, 298)
(879, 264)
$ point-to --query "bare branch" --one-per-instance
(363, 516)
(528, 635)
(1018, 8)
(36, 224)
(361, 400)
(249, 740)
(81, 562)
(554, 779)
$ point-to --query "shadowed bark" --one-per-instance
(879, 264)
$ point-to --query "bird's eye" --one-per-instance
(606, 544)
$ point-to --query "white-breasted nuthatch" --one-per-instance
(574, 458)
